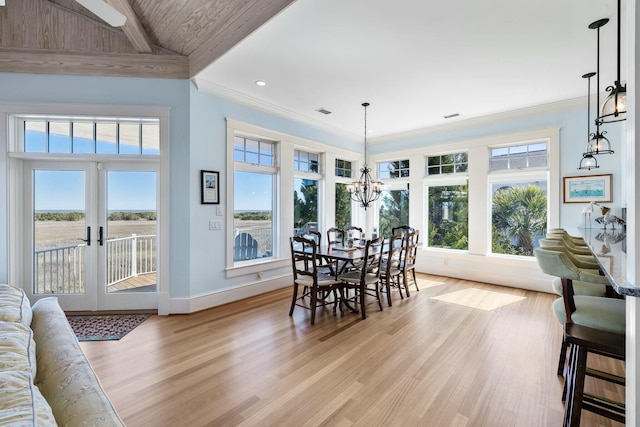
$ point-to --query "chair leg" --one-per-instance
(295, 297)
(387, 286)
(575, 390)
(362, 303)
(415, 281)
(378, 295)
(405, 281)
(314, 299)
(563, 356)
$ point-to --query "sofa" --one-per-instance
(45, 379)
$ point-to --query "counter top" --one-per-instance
(610, 249)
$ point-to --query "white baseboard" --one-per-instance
(223, 296)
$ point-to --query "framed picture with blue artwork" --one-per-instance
(586, 189)
(210, 187)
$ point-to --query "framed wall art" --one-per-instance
(585, 189)
(210, 191)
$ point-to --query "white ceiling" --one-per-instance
(416, 61)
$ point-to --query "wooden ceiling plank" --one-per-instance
(104, 64)
(132, 27)
(233, 33)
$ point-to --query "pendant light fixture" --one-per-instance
(588, 162)
(598, 143)
(614, 108)
(366, 190)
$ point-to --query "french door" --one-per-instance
(91, 239)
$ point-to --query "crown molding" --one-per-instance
(206, 86)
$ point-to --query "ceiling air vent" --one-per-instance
(323, 111)
(450, 116)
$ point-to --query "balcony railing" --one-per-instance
(62, 270)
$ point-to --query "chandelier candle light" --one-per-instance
(366, 190)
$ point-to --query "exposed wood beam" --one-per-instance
(234, 32)
(94, 64)
(132, 27)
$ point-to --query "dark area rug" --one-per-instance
(105, 327)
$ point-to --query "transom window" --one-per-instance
(76, 135)
(393, 170)
(519, 156)
(305, 162)
(447, 163)
(343, 168)
(253, 151)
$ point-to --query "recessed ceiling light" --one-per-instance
(261, 83)
(323, 111)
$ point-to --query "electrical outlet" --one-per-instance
(219, 210)
(217, 225)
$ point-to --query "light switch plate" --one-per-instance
(219, 210)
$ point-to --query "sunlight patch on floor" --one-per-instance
(478, 298)
(424, 283)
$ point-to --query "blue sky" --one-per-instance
(65, 190)
(253, 191)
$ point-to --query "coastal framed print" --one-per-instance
(585, 189)
(210, 183)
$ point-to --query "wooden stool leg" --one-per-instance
(575, 391)
(563, 356)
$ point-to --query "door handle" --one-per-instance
(101, 236)
(88, 239)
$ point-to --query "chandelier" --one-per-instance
(366, 190)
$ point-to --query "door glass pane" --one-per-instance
(252, 215)
(129, 138)
(60, 137)
(394, 210)
(83, 137)
(150, 138)
(58, 229)
(305, 206)
(35, 136)
(131, 231)
(518, 217)
(106, 138)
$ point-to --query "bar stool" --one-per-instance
(587, 321)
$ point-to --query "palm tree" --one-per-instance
(521, 213)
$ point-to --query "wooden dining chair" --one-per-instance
(402, 229)
(408, 263)
(366, 279)
(355, 232)
(335, 236)
(305, 265)
(325, 266)
(391, 268)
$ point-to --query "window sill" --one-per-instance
(257, 267)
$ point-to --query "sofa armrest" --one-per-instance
(64, 375)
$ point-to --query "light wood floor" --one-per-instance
(422, 362)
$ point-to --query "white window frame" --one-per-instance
(441, 180)
(318, 177)
(283, 193)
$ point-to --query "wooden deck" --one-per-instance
(141, 283)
